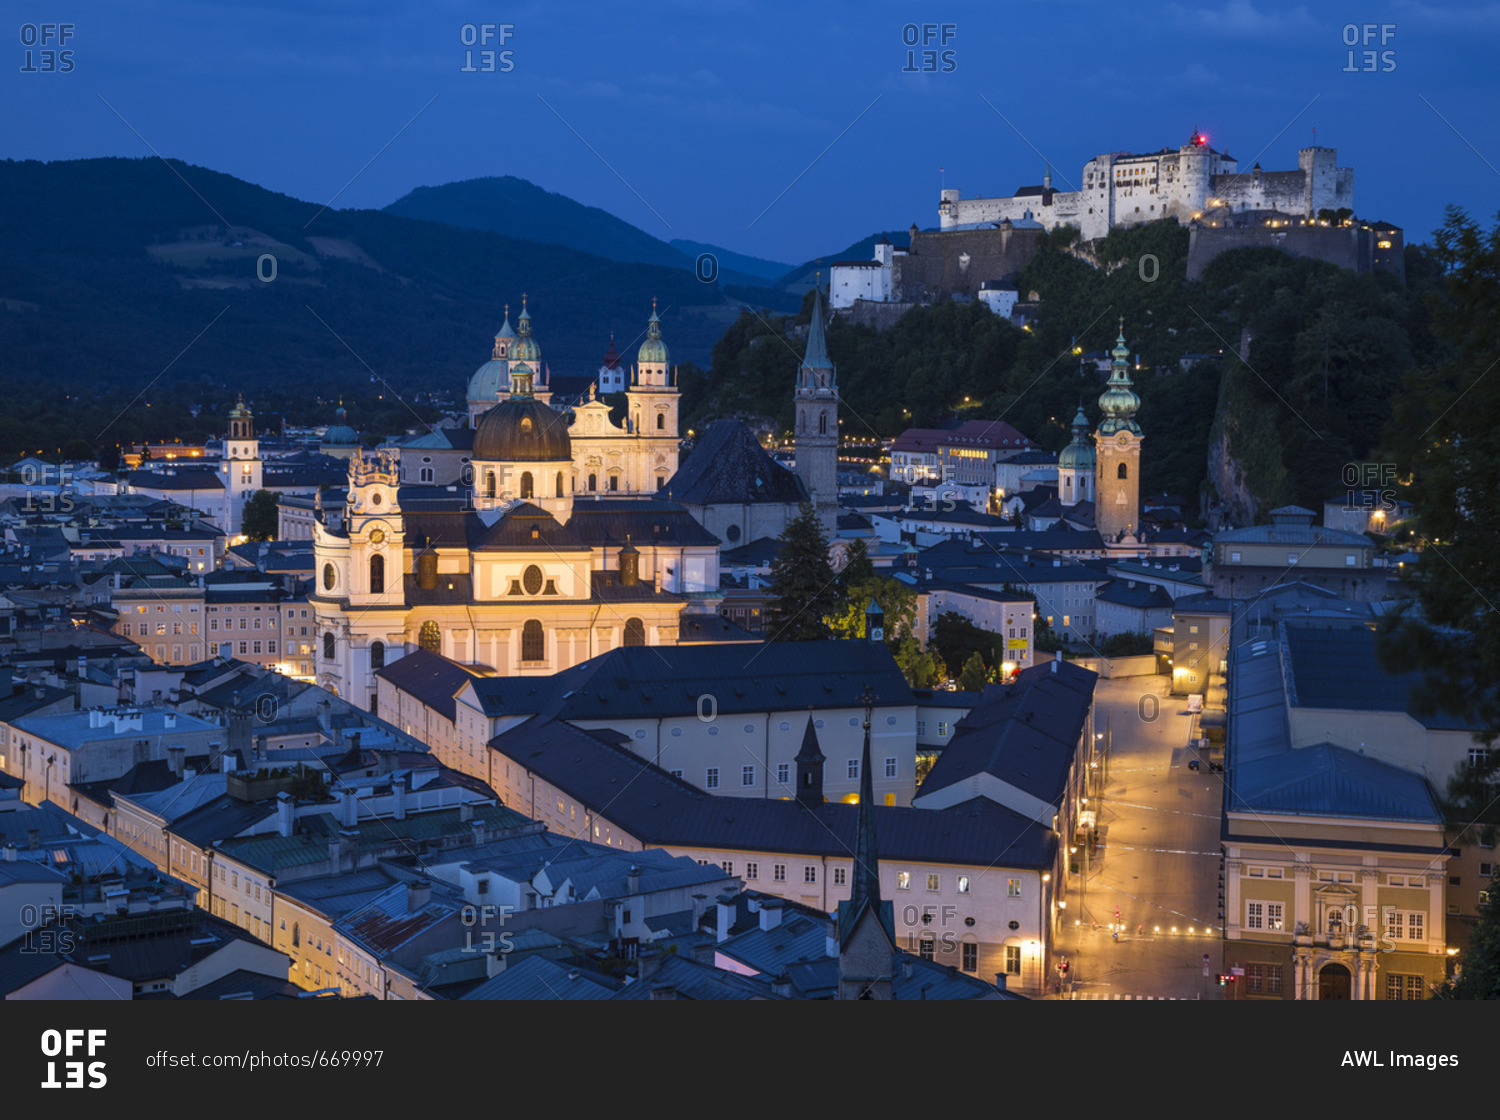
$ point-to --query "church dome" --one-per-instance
(1118, 401)
(522, 430)
(653, 350)
(339, 434)
(1078, 455)
(525, 348)
(489, 381)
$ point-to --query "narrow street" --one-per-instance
(1155, 870)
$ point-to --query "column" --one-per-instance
(1372, 964)
(1302, 895)
(1369, 901)
(1436, 912)
(1357, 973)
(1233, 869)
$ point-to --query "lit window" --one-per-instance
(1012, 888)
(963, 884)
(933, 882)
(903, 881)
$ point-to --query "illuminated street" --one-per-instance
(1156, 862)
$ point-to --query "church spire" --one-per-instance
(865, 892)
(817, 346)
(1119, 402)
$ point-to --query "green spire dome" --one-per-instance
(506, 330)
(1078, 455)
(1119, 402)
(525, 348)
(653, 351)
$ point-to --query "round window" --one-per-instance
(330, 577)
(853, 721)
(890, 721)
(749, 729)
(732, 533)
(640, 734)
(375, 498)
(785, 726)
(713, 730)
(531, 579)
(677, 733)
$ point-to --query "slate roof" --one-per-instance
(611, 521)
(658, 809)
(1133, 593)
(430, 677)
(540, 978)
(1025, 733)
(692, 980)
(1329, 780)
(1338, 668)
(729, 466)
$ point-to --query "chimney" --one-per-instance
(831, 943)
(700, 907)
(418, 894)
(348, 808)
(478, 830)
(226, 762)
(335, 850)
(1056, 658)
(169, 721)
(284, 813)
(782, 986)
(239, 732)
(725, 916)
(633, 880)
(770, 913)
(466, 812)
(10, 853)
(398, 787)
(33, 839)
(325, 716)
(1000, 982)
(176, 753)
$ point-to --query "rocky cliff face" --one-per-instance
(1231, 501)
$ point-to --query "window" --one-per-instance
(377, 576)
(533, 641)
(747, 775)
(559, 487)
(942, 729)
(840, 876)
(1349, 559)
(925, 947)
(1291, 557)
(635, 632)
(963, 884)
(1123, 471)
(890, 768)
(1234, 557)
(243, 650)
(1013, 960)
(752, 870)
(377, 655)
(921, 727)
(676, 773)
(778, 872)
(711, 778)
(903, 881)
(531, 579)
(783, 772)
(328, 646)
(329, 577)
(809, 874)
(1012, 888)
(528, 485)
(854, 768)
(970, 957)
(1263, 979)
(1398, 986)
(934, 882)
(1264, 915)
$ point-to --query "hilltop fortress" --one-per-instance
(1186, 183)
(981, 244)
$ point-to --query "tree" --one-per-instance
(1479, 964)
(260, 522)
(974, 674)
(802, 582)
(957, 639)
(1446, 437)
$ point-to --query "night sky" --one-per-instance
(779, 130)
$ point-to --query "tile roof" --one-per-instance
(728, 465)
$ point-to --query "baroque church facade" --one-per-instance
(558, 547)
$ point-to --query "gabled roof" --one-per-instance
(1333, 781)
(1025, 733)
(539, 978)
(729, 466)
(1133, 593)
(429, 677)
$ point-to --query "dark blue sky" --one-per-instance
(713, 121)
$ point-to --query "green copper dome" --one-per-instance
(525, 348)
(1119, 402)
(653, 351)
(339, 434)
(1078, 455)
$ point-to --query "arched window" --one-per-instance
(296, 933)
(527, 487)
(430, 638)
(1123, 472)
(328, 645)
(661, 421)
(533, 641)
(823, 423)
(559, 484)
(330, 577)
(635, 632)
(426, 474)
(377, 574)
(489, 484)
(593, 482)
(377, 655)
(531, 579)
